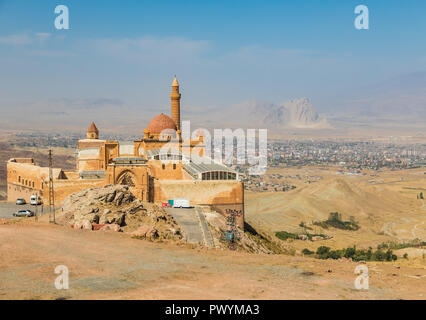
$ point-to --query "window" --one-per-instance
(19, 179)
(174, 166)
(33, 184)
(164, 166)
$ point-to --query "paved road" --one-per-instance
(7, 209)
(190, 223)
(207, 236)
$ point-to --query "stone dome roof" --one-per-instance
(161, 122)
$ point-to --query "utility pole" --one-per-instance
(51, 193)
(36, 208)
(232, 232)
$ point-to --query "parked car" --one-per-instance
(35, 200)
(20, 201)
(23, 213)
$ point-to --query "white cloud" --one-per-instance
(16, 39)
(43, 36)
(150, 49)
(24, 39)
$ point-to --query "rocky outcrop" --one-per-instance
(296, 114)
(115, 208)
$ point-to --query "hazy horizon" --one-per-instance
(117, 61)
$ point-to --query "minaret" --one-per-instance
(175, 96)
(92, 132)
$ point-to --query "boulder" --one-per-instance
(118, 218)
(110, 197)
(86, 225)
(77, 225)
(106, 211)
(103, 219)
(145, 232)
(303, 237)
(111, 227)
(119, 198)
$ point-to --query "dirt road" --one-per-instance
(106, 265)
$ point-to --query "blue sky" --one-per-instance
(224, 52)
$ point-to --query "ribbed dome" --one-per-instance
(160, 123)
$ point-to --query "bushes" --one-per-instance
(335, 220)
(324, 253)
(416, 243)
(307, 252)
(284, 235)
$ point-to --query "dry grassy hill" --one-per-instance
(386, 207)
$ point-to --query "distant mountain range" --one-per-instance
(293, 114)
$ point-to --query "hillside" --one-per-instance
(387, 208)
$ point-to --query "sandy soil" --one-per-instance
(106, 265)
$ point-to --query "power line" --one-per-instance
(51, 193)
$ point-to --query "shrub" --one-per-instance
(284, 235)
(307, 252)
(335, 220)
(323, 250)
(350, 252)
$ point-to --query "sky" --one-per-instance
(125, 53)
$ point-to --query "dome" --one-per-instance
(160, 123)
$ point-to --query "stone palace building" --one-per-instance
(159, 167)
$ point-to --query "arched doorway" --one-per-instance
(127, 178)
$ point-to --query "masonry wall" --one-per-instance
(63, 188)
(166, 170)
(226, 197)
(25, 179)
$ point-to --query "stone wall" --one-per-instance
(226, 197)
(24, 179)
